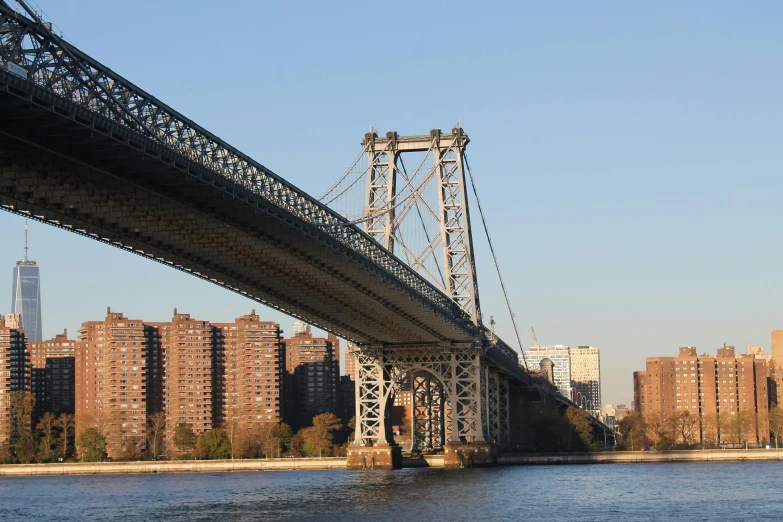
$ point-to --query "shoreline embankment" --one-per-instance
(434, 461)
(637, 457)
(172, 466)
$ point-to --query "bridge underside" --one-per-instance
(104, 183)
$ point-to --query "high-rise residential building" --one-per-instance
(187, 347)
(776, 368)
(113, 375)
(777, 346)
(718, 389)
(586, 378)
(539, 357)
(15, 360)
(312, 375)
(250, 358)
(53, 375)
(26, 294)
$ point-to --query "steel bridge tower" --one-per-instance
(459, 405)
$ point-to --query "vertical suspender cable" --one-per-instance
(495, 259)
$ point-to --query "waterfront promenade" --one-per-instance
(171, 466)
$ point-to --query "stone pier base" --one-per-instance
(469, 455)
(382, 456)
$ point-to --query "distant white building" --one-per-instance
(301, 328)
(560, 357)
(586, 378)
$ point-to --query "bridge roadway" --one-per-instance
(83, 162)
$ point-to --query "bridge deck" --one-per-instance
(90, 174)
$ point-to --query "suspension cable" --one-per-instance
(393, 202)
(495, 259)
(321, 199)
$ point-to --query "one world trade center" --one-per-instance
(26, 296)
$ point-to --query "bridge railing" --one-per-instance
(30, 51)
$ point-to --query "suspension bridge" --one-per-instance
(383, 259)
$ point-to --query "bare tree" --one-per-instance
(156, 431)
(710, 427)
(233, 424)
(46, 428)
(731, 428)
(655, 424)
(686, 425)
(747, 425)
(776, 422)
(66, 424)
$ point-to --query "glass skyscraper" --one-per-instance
(26, 295)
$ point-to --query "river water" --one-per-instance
(693, 491)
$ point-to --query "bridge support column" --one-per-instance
(468, 446)
(372, 447)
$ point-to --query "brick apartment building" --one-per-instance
(251, 367)
(776, 368)
(15, 367)
(53, 375)
(201, 373)
(705, 385)
(113, 374)
(312, 375)
(186, 348)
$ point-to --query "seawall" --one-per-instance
(434, 461)
(634, 457)
(171, 466)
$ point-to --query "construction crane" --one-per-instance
(535, 339)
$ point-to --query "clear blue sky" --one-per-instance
(628, 154)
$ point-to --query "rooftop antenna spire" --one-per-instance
(25, 241)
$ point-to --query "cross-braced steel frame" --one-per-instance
(456, 371)
(453, 215)
(427, 408)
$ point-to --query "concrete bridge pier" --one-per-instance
(469, 455)
(382, 456)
